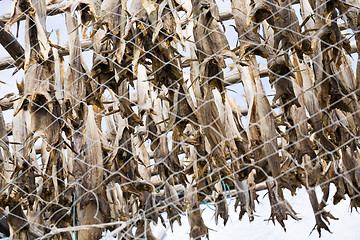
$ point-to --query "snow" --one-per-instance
(344, 228)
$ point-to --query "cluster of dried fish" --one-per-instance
(108, 160)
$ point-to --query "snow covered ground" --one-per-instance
(346, 227)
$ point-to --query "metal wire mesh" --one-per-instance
(133, 113)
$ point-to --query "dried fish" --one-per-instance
(76, 76)
(141, 133)
(350, 8)
(280, 208)
(88, 12)
(262, 133)
(93, 201)
(198, 228)
(143, 230)
(173, 204)
(246, 197)
(221, 207)
(4, 143)
(319, 213)
(19, 227)
(280, 68)
(264, 10)
(249, 38)
(211, 43)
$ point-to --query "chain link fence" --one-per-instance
(127, 114)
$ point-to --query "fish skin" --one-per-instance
(236, 144)
(206, 14)
(211, 43)
(203, 165)
(280, 208)
(319, 213)
(43, 112)
(280, 69)
(143, 231)
(76, 76)
(115, 22)
(264, 10)
(350, 9)
(38, 96)
(111, 50)
(198, 228)
(173, 204)
(221, 207)
(262, 132)
(330, 33)
(92, 175)
(214, 131)
(298, 134)
(249, 38)
(19, 228)
(245, 198)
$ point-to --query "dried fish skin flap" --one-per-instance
(263, 134)
(301, 139)
(114, 15)
(111, 61)
(198, 228)
(209, 38)
(214, 131)
(76, 75)
(210, 41)
(221, 207)
(264, 147)
(351, 10)
(35, 37)
(88, 12)
(236, 143)
(261, 122)
(93, 152)
(165, 21)
(211, 45)
(39, 99)
(38, 96)
(167, 162)
(160, 28)
(280, 70)
(39, 112)
(92, 177)
(264, 10)
(249, 38)
(174, 205)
